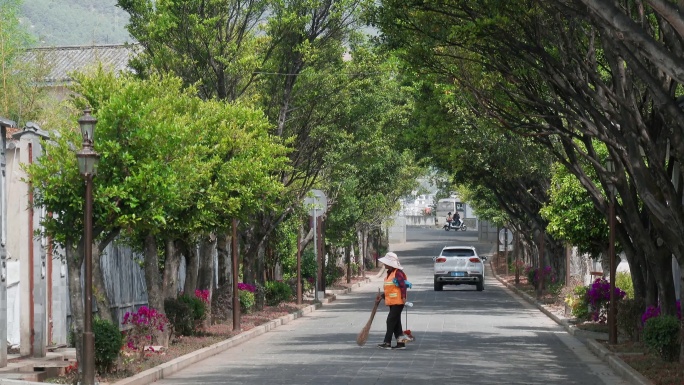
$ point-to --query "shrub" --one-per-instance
(179, 315)
(623, 280)
(661, 336)
(536, 275)
(333, 273)
(628, 317)
(354, 268)
(307, 284)
(108, 343)
(598, 296)
(512, 263)
(186, 314)
(578, 302)
(197, 307)
(555, 288)
(277, 292)
(309, 264)
(144, 325)
(246, 300)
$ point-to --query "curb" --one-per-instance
(589, 338)
(349, 289)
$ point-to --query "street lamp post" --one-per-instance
(612, 309)
(87, 166)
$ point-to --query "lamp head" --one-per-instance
(87, 161)
(87, 123)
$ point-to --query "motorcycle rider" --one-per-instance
(457, 219)
(449, 219)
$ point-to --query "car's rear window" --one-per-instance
(458, 253)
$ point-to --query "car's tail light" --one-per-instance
(474, 260)
(440, 260)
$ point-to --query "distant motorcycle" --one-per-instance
(454, 226)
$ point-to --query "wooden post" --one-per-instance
(236, 269)
(299, 267)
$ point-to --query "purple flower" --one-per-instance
(653, 311)
(598, 296)
(142, 325)
(246, 286)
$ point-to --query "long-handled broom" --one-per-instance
(363, 334)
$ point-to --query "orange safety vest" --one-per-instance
(392, 291)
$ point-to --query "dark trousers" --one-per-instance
(394, 323)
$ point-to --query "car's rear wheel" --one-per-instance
(439, 286)
(480, 285)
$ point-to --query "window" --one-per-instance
(458, 253)
(445, 206)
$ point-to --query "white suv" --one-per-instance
(458, 265)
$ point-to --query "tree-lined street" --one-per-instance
(462, 337)
(561, 121)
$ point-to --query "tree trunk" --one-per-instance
(347, 262)
(74, 258)
(205, 275)
(259, 294)
(680, 261)
(221, 299)
(223, 256)
(99, 291)
(191, 268)
(359, 258)
(249, 259)
(662, 268)
(171, 267)
(637, 270)
(155, 298)
(365, 254)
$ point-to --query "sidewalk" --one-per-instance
(588, 338)
(30, 371)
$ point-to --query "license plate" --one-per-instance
(457, 274)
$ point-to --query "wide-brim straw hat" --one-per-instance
(391, 259)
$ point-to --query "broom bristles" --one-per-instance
(363, 334)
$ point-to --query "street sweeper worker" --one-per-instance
(395, 297)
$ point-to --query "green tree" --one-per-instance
(213, 45)
(290, 64)
(366, 177)
(565, 84)
(572, 216)
(167, 159)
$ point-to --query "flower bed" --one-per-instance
(129, 364)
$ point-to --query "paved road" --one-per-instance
(462, 337)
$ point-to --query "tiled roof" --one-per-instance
(64, 60)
